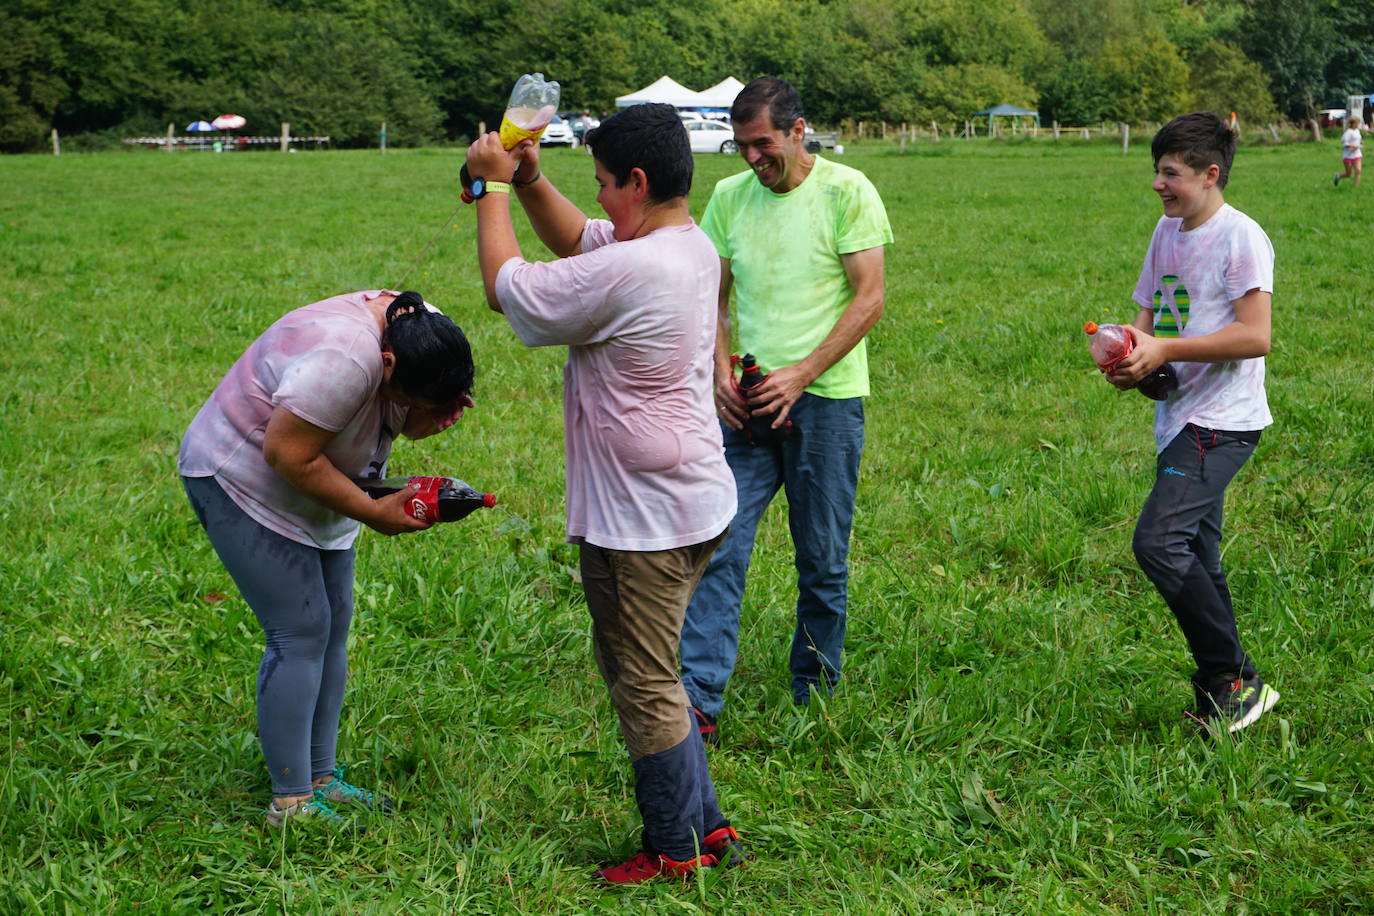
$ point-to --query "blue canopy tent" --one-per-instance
(1007, 111)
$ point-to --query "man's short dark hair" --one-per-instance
(650, 137)
(1200, 139)
(768, 93)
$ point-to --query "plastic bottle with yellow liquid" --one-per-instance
(532, 104)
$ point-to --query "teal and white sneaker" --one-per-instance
(312, 809)
(1230, 703)
(342, 793)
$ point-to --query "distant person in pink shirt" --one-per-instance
(268, 464)
(633, 298)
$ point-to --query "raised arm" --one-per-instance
(556, 220)
(496, 242)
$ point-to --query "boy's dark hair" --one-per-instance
(649, 137)
(777, 96)
(433, 357)
(1200, 139)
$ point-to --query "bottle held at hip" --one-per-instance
(759, 429)
(1109, 344)
(439, 499)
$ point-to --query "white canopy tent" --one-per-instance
(664, 89)
(721, 95)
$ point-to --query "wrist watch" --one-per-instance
(481, 187)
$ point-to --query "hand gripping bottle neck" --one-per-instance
(760, 430)
(530, 109)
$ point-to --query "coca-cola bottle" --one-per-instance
(440, 499)
(760, 430)
(1109, 344)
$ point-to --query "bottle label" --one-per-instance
(512, 133)
(424, 505)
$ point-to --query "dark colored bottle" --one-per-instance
(443, 499)
(759, 429)
(1159, 383)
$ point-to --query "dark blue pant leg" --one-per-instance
(710, 629)
(1177, 543)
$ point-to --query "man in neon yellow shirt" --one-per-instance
(801, 244)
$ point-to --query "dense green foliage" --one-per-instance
(436, 68)
(1006, 738)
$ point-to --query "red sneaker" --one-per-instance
(724, 844)
(645, 866)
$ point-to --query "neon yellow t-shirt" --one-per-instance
(784, 252)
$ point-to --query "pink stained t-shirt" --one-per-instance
(1189, 279)
(323, 363)
(645, 466)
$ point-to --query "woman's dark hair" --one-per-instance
(1199, 139)
(648, 137)
(433, 357)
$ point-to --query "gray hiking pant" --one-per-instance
(1178, 543)
(303, 598)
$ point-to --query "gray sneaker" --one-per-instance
(342, 793)
(1230, 703)
(312, 809)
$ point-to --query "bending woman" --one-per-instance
(267, 464)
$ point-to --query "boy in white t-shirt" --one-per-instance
(1352, 152)
(633, 298)
(1204, 295)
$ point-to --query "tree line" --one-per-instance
(434, 69)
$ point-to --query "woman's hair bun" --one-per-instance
(407, 303)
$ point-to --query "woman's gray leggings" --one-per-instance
(303, 597)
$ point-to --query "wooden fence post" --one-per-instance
(1056, 130)
(167, 144)
(285, 136)
(56, 144)
(382, 146)
(1125, 136)
(936, 128)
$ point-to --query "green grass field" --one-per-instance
(1006, 738)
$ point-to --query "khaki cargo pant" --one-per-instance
(637, 600)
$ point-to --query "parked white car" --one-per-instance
(710, 136)
(558, 133)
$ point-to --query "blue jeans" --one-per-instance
(819, 469)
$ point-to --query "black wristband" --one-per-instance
(526, 184)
